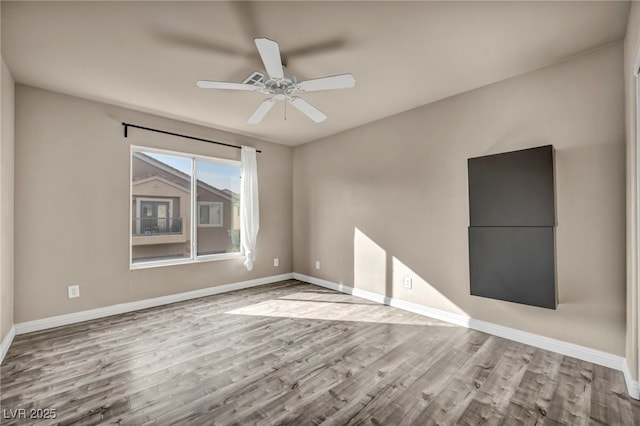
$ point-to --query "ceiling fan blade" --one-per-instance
(342, 81)
(270, 54)
(307, 109)
(206, 84)
(262, 111)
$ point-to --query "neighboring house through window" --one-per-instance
(183, 207)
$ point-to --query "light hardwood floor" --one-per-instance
(293, 353)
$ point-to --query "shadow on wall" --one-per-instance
(377, 271)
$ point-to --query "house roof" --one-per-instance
(179, 178)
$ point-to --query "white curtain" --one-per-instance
(249, 208)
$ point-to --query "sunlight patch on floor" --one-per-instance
(336, 311)
(327, 297)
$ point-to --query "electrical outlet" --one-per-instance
(276, 262)
(73, 291)
(317, 264)
(407, 281)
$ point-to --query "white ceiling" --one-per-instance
(148, 55)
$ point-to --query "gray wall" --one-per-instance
(631, 52)
(72, 192)
(373, 204)
(6, 200)
(390, 199)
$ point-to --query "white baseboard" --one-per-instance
(6, 342)
(59, 320)
(565, 348)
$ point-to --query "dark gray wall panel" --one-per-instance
(514, 264)
(512, 189)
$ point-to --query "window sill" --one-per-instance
(201, 259)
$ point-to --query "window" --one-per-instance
(210, 213)
(183, 207)
(218, 230)
(153, 215)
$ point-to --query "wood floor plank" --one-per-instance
(403, 409)
(76, 334)
(399, 380)
(307, 396)
(608, 403)
(145, 377)
(350, 390)
(530, 401)
(224, 388)
(147, 357)
(304, 381)
(230, 402)
(571, 400)
(451, 401)
(494, 395)
(293, 353)
(133, 331)
(64, 367)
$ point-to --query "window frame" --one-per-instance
(195, 214)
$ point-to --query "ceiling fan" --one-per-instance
(281, 85)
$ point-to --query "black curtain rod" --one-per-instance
(127, 125)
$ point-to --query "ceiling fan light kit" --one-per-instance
(281, 85)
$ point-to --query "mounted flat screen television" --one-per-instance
(512, 189)
(511, 232)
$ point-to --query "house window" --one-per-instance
(210, 213)
(183, 208)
